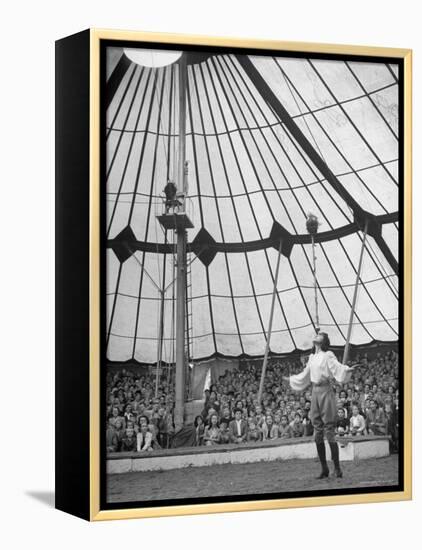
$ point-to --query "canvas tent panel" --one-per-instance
(391, 235)
(387, 102)
(373, 75)
(247, 171)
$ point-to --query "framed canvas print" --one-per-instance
(233, 274)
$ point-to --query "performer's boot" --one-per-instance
(325, 472)
(335, 458)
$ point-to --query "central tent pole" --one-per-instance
(270, 326)
(160, 342)
(355, 294)
(181, 258)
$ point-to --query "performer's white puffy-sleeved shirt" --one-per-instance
(322, 367)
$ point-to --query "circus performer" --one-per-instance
(321, 370)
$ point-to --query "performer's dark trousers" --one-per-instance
(323, 412)
(323, 415)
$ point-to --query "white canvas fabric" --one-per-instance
(246, 172)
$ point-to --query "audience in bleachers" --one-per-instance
(138, 420)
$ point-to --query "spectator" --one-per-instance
(366, 407)
(144, 439)
(296, 426)
(238, 428)
(147, 432)
(117, 417)
(259, 417)
(365, 395)
(211, 405)
(376, 421)
(284, 429)
(129, 441)
(226, 415)
(128, 415)
(199, 430)
(277, 418)
(342, 424)
(269, 429)
(392, 425)
(357, 422)
(224, 431)
(138, 404)
(344, 403)
(164, 427)
(209, 413)
(212, 434)
(112, 443)
(120, 432)
(254, 433)
(308, 428)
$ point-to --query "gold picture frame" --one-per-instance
(95, 511)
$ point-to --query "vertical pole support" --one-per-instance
(181, 259)
(355, 294)
(270, 326)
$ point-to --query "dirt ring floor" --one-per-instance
(242, 479)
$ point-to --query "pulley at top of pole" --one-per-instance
(312, 224)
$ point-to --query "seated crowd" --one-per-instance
(136, 419)
(368, 404)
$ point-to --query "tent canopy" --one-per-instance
(269, 140)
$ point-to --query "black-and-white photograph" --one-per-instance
(252, 319)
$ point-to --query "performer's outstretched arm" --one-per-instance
(301, 381)
(341, 373)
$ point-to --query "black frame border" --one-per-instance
(104, 44)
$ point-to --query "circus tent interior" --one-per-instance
(269, 140)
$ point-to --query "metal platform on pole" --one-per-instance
(175, 221)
